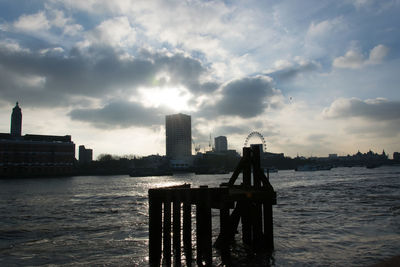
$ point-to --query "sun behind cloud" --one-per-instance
(175, 98)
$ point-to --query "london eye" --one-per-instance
(258, 135)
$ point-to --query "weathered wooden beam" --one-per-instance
(247, 166)
(167, 232)
(187, 228)
(204, 228)
(155, 229)
(225, 237)
(246, 222)
(251, 202)
(255, 160)
(177, 230)
(268, 225)
(237, 171)
(199, 235)
(208, 231)
(257, 226)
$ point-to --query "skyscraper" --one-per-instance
(178, 130)
(221, 144)
(16, 121)
(85, 154)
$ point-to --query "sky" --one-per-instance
(313, 77)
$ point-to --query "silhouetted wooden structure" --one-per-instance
(251, 202)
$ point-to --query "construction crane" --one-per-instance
(210, 144)
(196, 148)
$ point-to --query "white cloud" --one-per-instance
(31, 81)
(285, 69)
(72, 29)
(34, 22)
(115, 32)
(378, 109)
(355, 59)
(377, 54)
(325, 27)
(58, 19)
(12, 46)
(352, 59)
(40, 24)
(52, 50)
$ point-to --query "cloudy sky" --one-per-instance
(314, 77)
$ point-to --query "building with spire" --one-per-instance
(16, 121)
(33, 154)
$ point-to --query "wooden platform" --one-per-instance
(251, 202)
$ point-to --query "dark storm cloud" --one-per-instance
(186, 71)
(246, 97)
(120, 114)
(293, 70)
(230, 129)
(317, 137)
(377, 109)
(54, 78)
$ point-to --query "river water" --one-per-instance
(341, 217)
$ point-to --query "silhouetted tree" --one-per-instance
(105, 157)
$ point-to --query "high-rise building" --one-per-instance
(16, 121)
(85, 154)
(221, 144)
(178, 130)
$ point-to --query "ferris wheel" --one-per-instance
(259, 136)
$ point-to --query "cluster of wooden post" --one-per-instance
(251, 203)
(182, 198)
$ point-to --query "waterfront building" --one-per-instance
(85, 154)
(34, 155)
(221, 144)
(178, 130)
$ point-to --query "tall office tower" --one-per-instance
(221, 144)
(16, 121)
(178, 130)
(85, 154)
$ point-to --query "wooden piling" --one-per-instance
(245, 206)
(247, 166)
(155, 228)
(208, 230)
(226, 235)
(167, 231)
(187, 229)
(251, 202)
(177, 230)
(199, 235)
(203, 227)
(268, 225)
(257, 218)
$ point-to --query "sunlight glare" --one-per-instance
(175, 98)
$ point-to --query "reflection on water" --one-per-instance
(346, 216)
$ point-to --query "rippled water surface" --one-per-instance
(342, 217)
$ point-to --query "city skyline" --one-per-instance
(314, 78)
